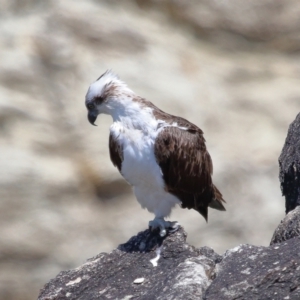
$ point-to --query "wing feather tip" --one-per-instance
(217, 204)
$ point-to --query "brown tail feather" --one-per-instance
(216, 203)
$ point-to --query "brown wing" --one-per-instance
(187, 167)
(115, 152)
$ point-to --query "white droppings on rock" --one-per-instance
(276, 263)
(139, 280)
(253, 257)
(128, 297)
(246, 271)
(157, 257)
(77, 280)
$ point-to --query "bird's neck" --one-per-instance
(133, 116)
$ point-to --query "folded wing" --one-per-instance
(187, 167)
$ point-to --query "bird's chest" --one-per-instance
(139, 166)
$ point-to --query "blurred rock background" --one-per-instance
(231, 67)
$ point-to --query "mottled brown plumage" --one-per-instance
(187, 167)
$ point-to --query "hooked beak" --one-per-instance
(92, 116)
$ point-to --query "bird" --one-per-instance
(162, 156)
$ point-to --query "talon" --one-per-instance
(162, 232)
(163, 226)
(174, 226)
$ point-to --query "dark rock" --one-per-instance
(182, 272)
(288, 228)
(289, 164)
(251, 272)
(130, 272)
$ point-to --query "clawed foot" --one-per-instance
(164, 226)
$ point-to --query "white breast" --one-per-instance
(140, 169)
(139, 166)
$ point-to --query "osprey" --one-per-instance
(163, 157)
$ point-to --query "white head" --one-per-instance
(107, 95)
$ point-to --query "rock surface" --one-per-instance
(288, 228)
(149, 267)
(251, 272)
(146, 267)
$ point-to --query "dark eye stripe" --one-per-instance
(98, 100)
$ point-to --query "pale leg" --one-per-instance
(163, 226)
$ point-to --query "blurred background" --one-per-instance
(230, 67)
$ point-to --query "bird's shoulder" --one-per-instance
(168, 119)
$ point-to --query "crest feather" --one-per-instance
(109, 73)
